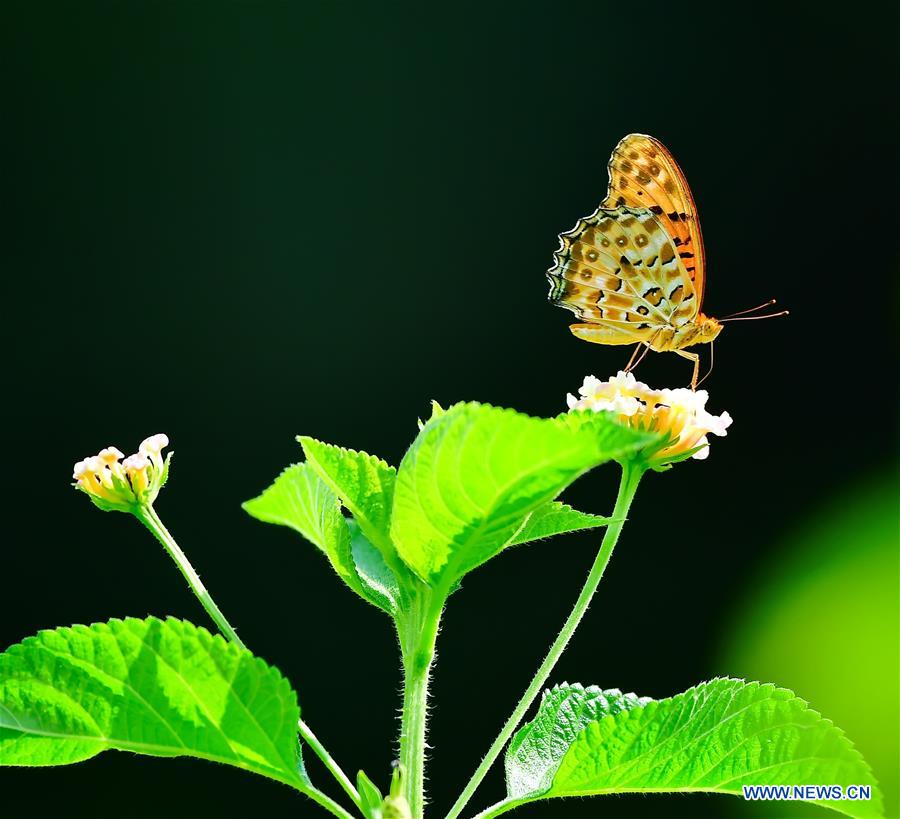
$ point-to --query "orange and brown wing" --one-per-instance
(619, 270)
(643, 174)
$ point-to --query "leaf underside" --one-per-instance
(161, 688)
(301, 500)
(714, 737)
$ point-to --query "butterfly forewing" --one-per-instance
(620, 270)
(643, 174)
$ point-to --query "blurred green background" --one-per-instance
(239, 221)
(821, 616)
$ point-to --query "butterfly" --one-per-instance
(634, 270)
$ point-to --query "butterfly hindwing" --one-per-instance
(619, 270)
(643, 174)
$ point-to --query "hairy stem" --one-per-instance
(631, 475)
(418, 634)
(147, 515)
(327, 802)
(328, 761)
(502, 806)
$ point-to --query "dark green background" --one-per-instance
(236, 222)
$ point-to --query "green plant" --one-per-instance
(475, 481)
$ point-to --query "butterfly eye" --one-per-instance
(654, 169)
(604, 242)
(592, 255)
(640, 240)
(621, 241)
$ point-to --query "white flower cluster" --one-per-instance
(680, 413)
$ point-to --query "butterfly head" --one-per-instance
(707, 328)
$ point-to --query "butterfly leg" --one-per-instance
(641, 357)
(631, 361)
(696, 359)
(712, 361)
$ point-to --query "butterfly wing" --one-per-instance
(643, 174)
(619, 271)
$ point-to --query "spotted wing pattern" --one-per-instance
(643, 174)
(618, 269)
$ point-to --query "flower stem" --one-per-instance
(502, 806)
(328, 761)
(418, 634)
(147, 515)
(327, 802)
(631, 476)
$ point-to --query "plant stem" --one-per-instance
(631, 476)
(327, 802)
(502, 806)
(319, 749)
(418, 634)
(147, 515)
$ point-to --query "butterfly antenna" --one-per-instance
(768, 303)
(755, 318)
(712, 361)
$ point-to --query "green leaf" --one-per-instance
(370, 797)
(364, 484)
(535, 751)
(376, 575)
(300, 500)
(555, 518)
(474, 474)
(714, 738)
(436, 411)
(162, 688)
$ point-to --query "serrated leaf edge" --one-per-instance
(463, 407)
(108, 628)
(361, 588)
(785, 694)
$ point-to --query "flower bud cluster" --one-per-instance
(680, 414)
(124, 485)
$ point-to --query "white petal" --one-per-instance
(154, 443)
(590, 385)
(136, 461)
(110, 455)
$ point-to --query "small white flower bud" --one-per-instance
(154, 444)
(110, 455)
(135, 463)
